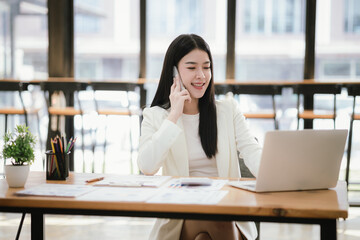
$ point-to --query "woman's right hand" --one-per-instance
(177, 100)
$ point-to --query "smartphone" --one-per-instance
(176, 73)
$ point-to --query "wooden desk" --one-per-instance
(321, 207)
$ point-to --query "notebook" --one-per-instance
(298, 160)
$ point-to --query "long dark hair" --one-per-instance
(180, 47)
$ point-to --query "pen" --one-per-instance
(94, 180)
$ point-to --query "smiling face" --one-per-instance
(195, 72)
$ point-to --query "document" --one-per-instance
(133, 181)
(56, 190)
(120, 194)
(188, 196)
(196, 183)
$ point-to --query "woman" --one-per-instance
(187, 133)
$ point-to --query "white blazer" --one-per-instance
(163, 144)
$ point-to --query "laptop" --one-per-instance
(298, 160)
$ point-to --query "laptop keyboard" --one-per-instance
(250, 184)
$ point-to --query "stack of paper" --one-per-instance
(56, 190)
(133, 181)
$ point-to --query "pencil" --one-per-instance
(60, 143)
(56, 163)
(72, 144)
(68, 145)
(95, 180)
(51, 165)
(63, 143)
(60, 157)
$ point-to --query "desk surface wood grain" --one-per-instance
(330, 203)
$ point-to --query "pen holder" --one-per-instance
(57, 166)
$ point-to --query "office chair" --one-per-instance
(264, 91)
(311, 89)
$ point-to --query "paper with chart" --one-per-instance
(56, 190)
(188, 196)
(133, 181)
(213, 184)
(120, 194)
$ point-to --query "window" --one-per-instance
(272, 16)
(166, 19)
(269, 40)
(181, 17)
(88, 14)
(107, 44)
(23, 44)
(337, 69)
(254, 16)
(336, 49)
(5, 54)
(270, 45)
(287, 16)
(352, 16)
(87, 23)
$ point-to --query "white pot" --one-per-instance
(16, 175)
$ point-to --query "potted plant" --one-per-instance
(19, 147)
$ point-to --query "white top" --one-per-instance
(163, 145)
(199, 164)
